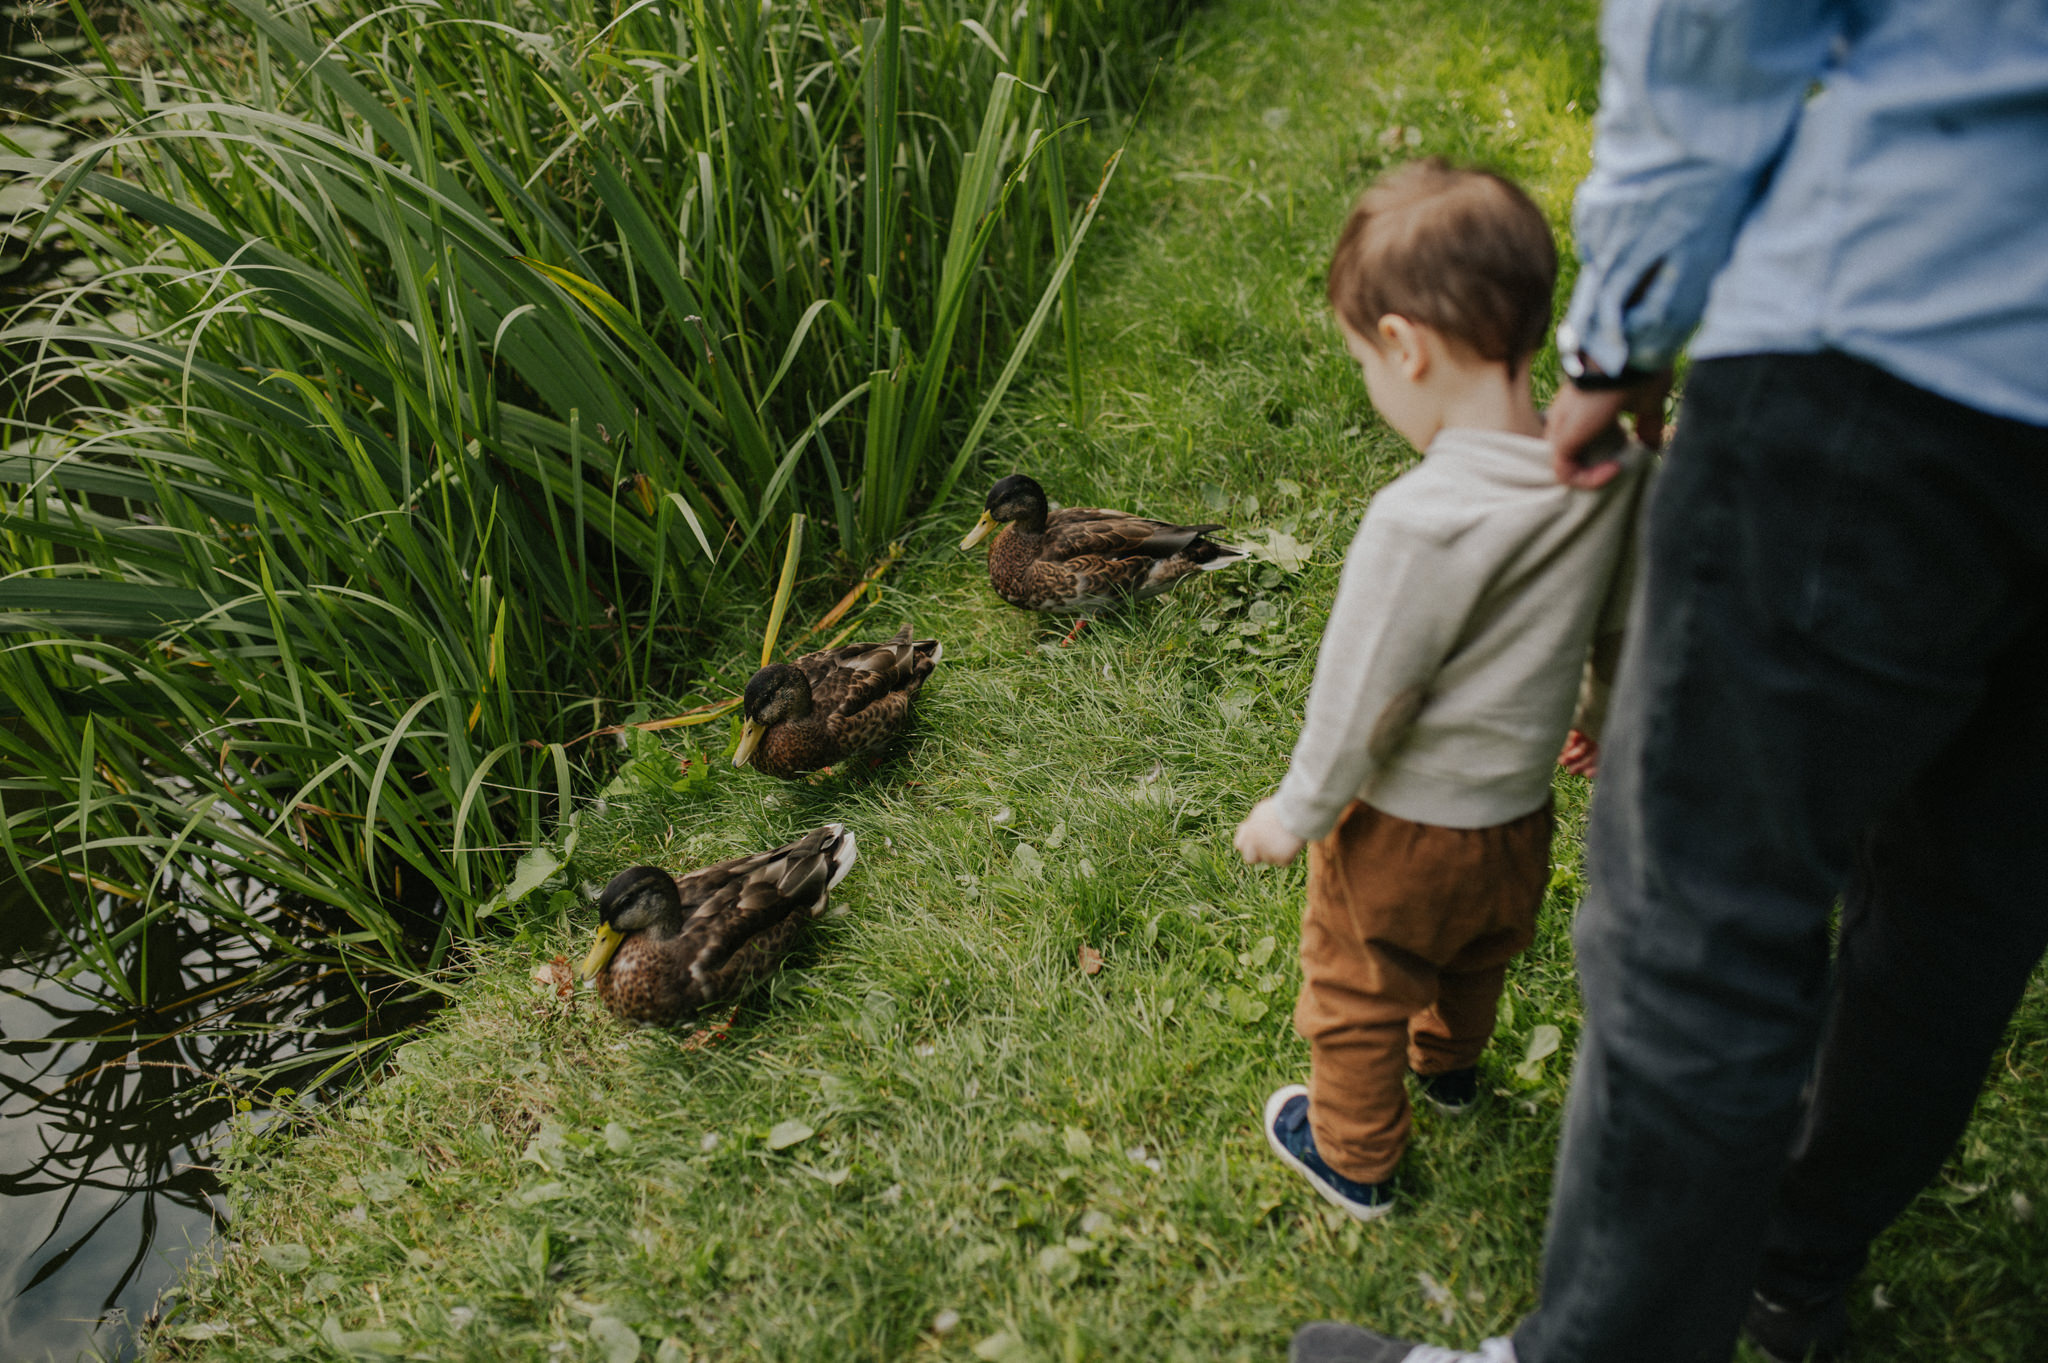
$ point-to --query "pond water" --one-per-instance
(102, 1199)
(110, 1110)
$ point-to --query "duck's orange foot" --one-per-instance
(1075, 632)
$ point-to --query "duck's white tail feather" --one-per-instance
(1231, 554)
(843, 854)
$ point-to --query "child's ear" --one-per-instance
(1405, 345)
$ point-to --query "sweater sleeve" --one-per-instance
(1400, 606)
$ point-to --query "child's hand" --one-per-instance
(1262, 837)
(1581, 755)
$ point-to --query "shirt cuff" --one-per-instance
(1304, 816)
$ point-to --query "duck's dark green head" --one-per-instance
(637, 899)
(774, 695)
(1015, 498)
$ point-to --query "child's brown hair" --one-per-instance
(1461, 251)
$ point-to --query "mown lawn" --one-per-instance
(1010, 1158)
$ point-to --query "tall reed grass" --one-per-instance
(442, 370)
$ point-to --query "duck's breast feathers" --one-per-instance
(649, 980)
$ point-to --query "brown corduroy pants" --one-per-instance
(1404, 949)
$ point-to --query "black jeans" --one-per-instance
(1836, 685)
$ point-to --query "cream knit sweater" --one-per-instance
(1462, 637)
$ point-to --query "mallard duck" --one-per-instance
(1082, 559)
(832, 704)
(668, 945)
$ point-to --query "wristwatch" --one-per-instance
(1587, 378)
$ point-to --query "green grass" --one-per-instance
(531, 1175)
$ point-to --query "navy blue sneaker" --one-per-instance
(1287, 1131)
(1453, 1091)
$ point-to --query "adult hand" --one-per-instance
(1262, 837)
(1585, 434)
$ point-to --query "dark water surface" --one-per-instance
(110, 1112)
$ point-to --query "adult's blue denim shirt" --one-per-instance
(1869, 176)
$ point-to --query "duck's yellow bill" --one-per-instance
(608, 939)
(750, 739)
(980, 530)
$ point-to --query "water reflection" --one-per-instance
(107, 1111)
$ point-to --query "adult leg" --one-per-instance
(1835, 563)
(1941, 928)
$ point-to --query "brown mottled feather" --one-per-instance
(740, 918)
(1087, 558)
(860, 698)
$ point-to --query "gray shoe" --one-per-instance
(1332, 1341)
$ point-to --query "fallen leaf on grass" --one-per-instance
(286, 1258)
(1439, 1296)
(1002, 1347)
(618, 1341)
(785, 1134)
(1029, 864)
(1282, 550)
(1543, 1043)
(1091, 960)
(556, 977)
(361, 1343)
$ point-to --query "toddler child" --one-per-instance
(1481, 602)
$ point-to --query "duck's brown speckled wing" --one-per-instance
(742, 906)
(1089, 557)
(864, 690)
(1082, 532)
(845, 679)
(757, 957)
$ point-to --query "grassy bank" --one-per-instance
(938, 1135)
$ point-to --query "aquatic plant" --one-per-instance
(440, 377)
